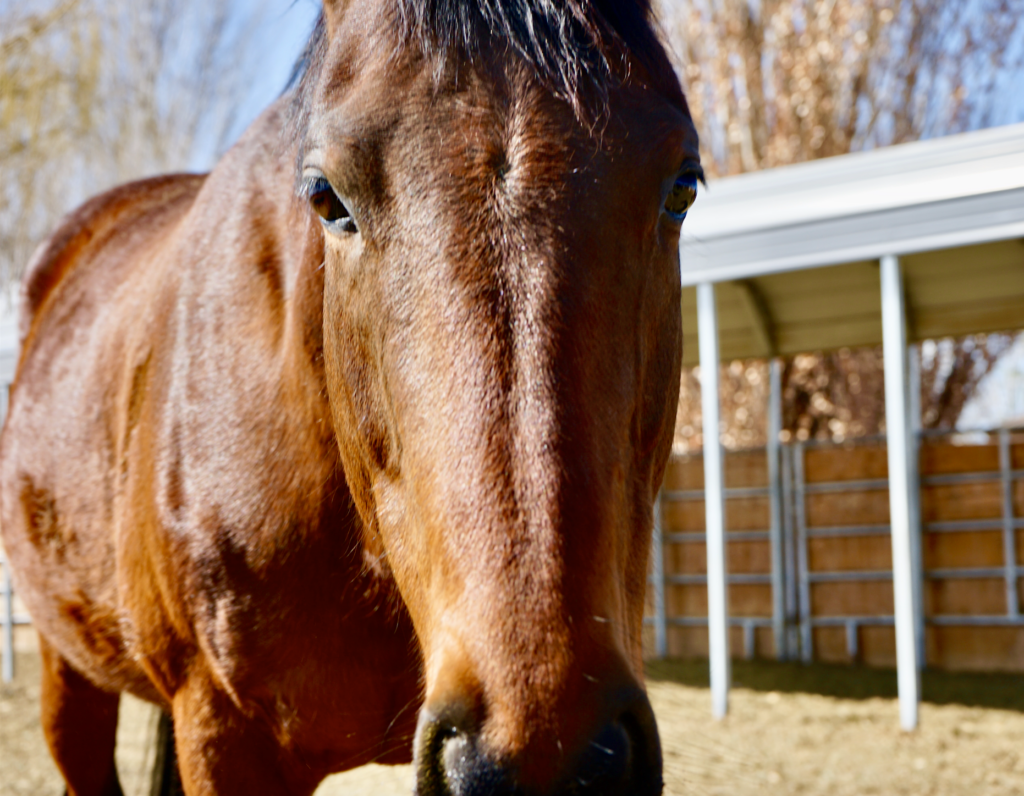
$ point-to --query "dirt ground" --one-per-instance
(792, 729)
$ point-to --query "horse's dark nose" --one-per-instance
(622, 759)
(606, 763)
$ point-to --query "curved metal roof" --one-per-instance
(951, 208)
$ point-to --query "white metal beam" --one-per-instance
(894, 344)
(758, 315)
(714, 501)
(942, 193)
(7, 653)
(775, 496)
(914, 493)
(658, 564)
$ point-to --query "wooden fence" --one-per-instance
(836, 553)
(836, 573)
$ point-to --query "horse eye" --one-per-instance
(327, 205)
(681, 197)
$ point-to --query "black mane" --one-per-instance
(570, 44)
(567, 42)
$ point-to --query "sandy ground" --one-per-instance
(791, 730)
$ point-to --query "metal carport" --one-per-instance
(892, 246)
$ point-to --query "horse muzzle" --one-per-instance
(621, 758)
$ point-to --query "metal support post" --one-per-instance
(894, 345)
(6, 586)
(914, 494)
(852, 641)
(775, 496)
(1009, 530)
(658, 563)
(8, 650)
(714, 501)
(803, 567)
(789, 548)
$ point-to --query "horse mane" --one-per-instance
(568, 43)
(571, 45)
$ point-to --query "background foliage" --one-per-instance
(97, 92)
(775, 82)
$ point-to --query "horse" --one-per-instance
(346, 451)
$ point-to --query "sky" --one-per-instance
(286, 26)
(999, 397)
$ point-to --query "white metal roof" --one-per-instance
(935, 200)
(951, 208)
(936, 194)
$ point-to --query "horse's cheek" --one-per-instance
(339, 356)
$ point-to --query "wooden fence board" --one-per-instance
(878, 646)
(852, 598)
(973, 647)
(741, 514)
(965, 597)
(744, 599)
(830, 645)
(682, 515)
(971, 501)
(742, 469)
(822, 465)
(747, 514)
(963, 549)
(985, 649)
(684, 473)
(750, 599)
(849, 553)
(942, 458)
(746, 468)
(686, 559)
(692, 642)
(688, 642)
(764, 642)
(749, 556)
(1017, 454)
(847, 508)
(742, 557)
(688, 600)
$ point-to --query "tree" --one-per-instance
(772, 82)
(97, 92)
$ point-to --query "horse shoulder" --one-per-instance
(87, 228)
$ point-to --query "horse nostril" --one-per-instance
(458, 760)
(432, 731)
(624, 757)
(607, 763)
(448, 761)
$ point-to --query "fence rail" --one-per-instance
(793, 570)
(791, 576)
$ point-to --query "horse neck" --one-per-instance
(258, 257)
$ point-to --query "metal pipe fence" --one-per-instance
(9, 619)
(791, 577)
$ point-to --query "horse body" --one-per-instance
(152, 572)
(293, 478)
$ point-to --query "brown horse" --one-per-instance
(346, 452)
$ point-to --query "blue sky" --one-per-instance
(285, 26)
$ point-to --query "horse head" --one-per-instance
(500, 189)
